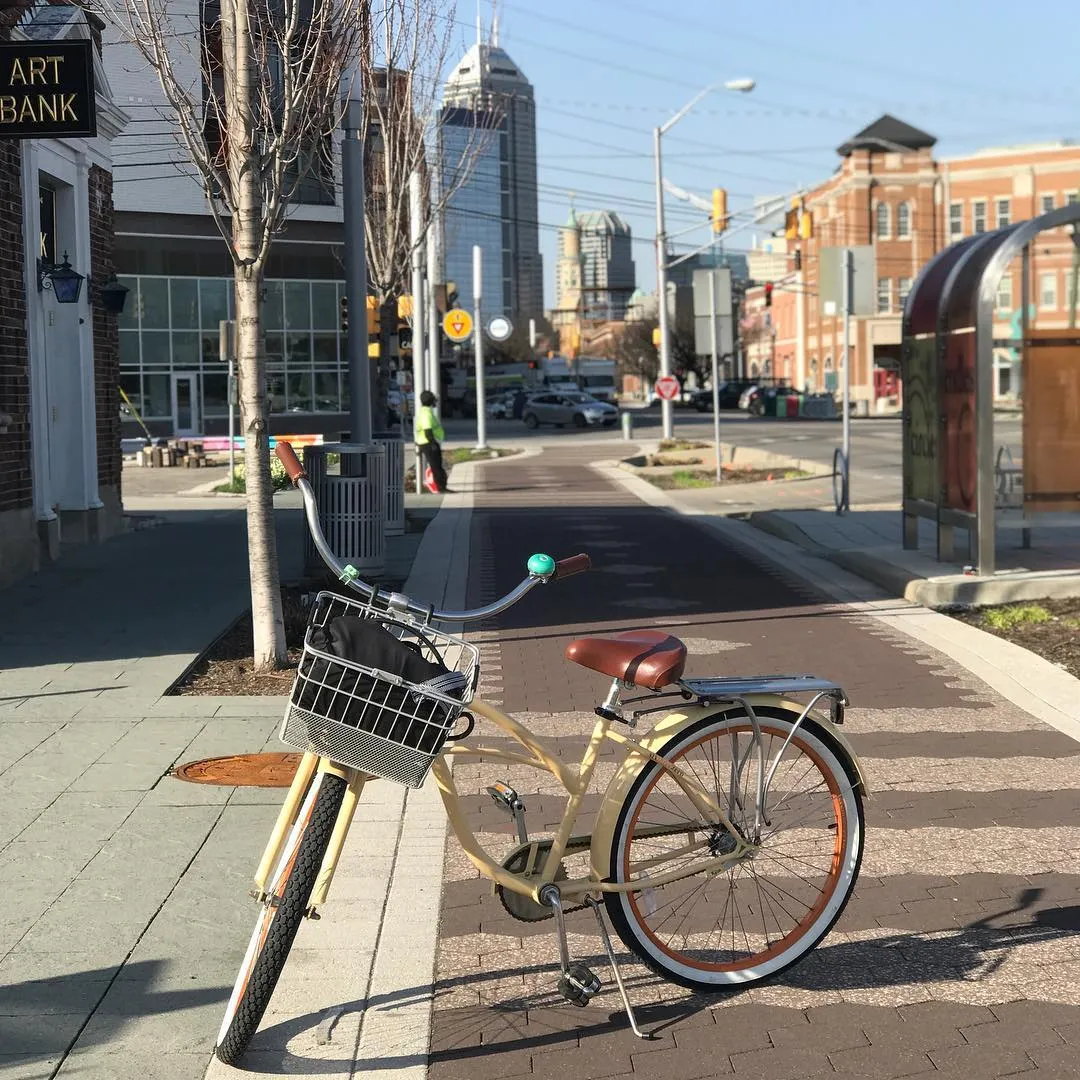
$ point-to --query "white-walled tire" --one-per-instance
(762, 915)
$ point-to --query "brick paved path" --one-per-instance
(958, 956)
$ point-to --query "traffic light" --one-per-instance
(806, 225)
(451, 295)
(374, 318)
(343, 306)
(719, 210)
(768, 293)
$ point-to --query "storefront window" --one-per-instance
(325, 348)
(272, 317)
(128, 319)
(276, 390)
(185, 303)
(186, 349)
(213, 300)
(157, 397)
(154, 303)
(297, 305)
(172, 325)
(215, 400)
(324, 305)
(326, 391)
(131, 384)
(155, 349)
(300, 392)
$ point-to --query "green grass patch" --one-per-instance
(1006, 618)
(683, 444)
(688, 478)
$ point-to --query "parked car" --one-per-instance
(577, 409)
(730, 393)
(501, 406)
(763, 401)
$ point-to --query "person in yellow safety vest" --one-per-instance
(428, 432)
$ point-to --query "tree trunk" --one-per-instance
(268, 623)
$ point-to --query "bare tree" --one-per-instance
(253, 89)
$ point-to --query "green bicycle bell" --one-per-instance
(541, 565)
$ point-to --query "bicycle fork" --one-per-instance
(310, 767)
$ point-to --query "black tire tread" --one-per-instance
(290, 912)
(615, 912)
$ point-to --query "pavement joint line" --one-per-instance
(1035, 685)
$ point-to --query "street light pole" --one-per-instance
(666, 407)
(741, 86)
(478, 344)
(416, 240)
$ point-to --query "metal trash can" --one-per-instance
(351, 493)
(394, 445)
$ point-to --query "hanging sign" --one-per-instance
(47, 90)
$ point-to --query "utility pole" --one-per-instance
(715, 375)
(416, 237)
(666, 407)
(846, 437)
(356, 345)
(478, 345)
(433, 279)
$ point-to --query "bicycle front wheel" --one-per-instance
(711, 931)
(289, 891)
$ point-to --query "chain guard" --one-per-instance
(528, 860)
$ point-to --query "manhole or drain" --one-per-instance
(242, 770)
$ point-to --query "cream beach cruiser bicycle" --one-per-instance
(726, 844)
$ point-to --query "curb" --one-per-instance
(1040, 688)
(930, 592)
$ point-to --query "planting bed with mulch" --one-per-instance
(1049, 628)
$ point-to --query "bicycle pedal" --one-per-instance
(508, 800)
(505, 797)
(578, 985)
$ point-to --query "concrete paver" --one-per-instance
(952, 919)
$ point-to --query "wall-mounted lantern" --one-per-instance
(65, 282)
(113, 296)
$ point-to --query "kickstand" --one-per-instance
(605, 937)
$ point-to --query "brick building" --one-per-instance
(890, 192)
(59, 409)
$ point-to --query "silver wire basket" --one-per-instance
(376, 721)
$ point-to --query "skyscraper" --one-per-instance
(488, 163)
(595, 261)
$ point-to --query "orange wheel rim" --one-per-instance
(813, 913)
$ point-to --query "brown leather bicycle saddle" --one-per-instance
(649, 658)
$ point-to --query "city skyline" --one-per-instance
(604, 77)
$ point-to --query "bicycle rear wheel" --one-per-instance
(289, 891)
(711, 931)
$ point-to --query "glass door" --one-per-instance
(185, 404)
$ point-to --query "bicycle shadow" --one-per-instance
(533, 1021)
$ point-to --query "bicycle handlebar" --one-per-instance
(541, 568)
(287, 456)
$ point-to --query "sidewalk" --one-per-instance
(127, 912)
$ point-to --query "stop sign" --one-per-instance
(667, 387)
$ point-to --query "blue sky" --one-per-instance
(606, 72)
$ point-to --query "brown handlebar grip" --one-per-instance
(287, 456)
(576, 564)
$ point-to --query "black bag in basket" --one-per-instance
(376, 705)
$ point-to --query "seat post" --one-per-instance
(609, 709)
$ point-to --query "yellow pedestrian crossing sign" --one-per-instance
(458, 324)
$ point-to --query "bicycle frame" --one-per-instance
(576, 782)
